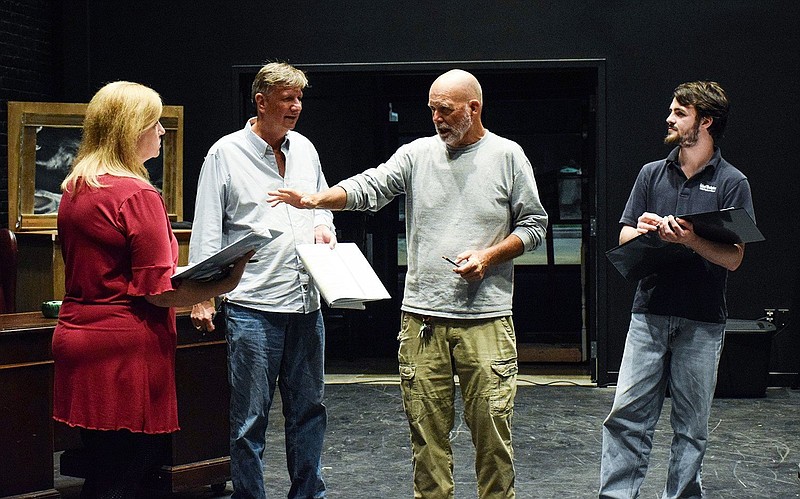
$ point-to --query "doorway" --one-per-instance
(358, 114)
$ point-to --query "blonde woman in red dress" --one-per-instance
(114, 345)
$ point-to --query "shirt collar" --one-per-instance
(259, 143)
(672, 159)
(456, 151)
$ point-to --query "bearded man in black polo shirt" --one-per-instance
(679, 313)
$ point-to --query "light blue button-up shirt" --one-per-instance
(237, 173)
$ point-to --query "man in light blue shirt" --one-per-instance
(275, 329)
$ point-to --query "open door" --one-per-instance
(358, 114)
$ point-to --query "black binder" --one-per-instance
(646, 253)
(217, 265)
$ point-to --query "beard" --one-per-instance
(452, 135)
(684, 140)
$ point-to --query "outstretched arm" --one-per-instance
(334, 198)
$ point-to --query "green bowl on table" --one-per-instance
(50, 309)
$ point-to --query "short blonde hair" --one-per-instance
(277, 74)
(116, 117)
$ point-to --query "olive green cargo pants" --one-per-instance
(483, 354)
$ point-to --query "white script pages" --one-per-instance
(342, 274)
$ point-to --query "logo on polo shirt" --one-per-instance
(708, 188)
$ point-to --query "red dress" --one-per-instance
(114, 352)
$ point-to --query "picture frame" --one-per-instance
(42, 142)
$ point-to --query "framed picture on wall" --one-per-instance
(43, 139)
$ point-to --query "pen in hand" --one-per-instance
(451, 261)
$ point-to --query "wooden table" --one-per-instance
(198, 453)
(40, 272)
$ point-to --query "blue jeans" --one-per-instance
(661, 351)
(265, 347)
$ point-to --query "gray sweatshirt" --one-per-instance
(456, 199)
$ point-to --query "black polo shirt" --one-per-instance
(692, 288)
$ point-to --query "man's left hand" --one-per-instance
(472, 265)
(676, 230)
(324, 235)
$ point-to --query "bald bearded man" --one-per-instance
(470, 196)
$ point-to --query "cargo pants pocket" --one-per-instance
(505, 387)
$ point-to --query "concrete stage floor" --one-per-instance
(754, 447)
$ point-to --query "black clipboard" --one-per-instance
(645, 254)
(732, 226)
(217, 265)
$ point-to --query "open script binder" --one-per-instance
(217, 265)
(645, 254)
(342, 274)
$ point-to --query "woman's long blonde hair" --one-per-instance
(116, 117)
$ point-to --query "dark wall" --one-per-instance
(30, 66)
(186, 51)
